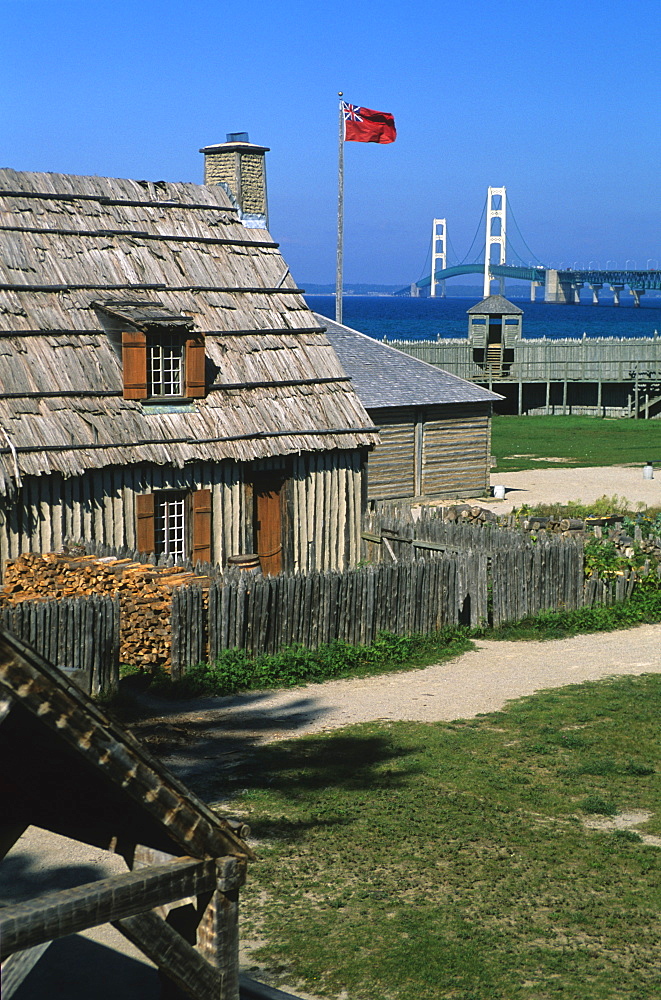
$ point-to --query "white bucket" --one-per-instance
(648, 471)
(499, 492)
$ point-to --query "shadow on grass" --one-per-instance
(224, 746)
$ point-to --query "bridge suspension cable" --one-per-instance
(477, 231)
(516, 225)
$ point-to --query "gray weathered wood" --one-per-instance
(46, 918)
(18, 966)
(174, 956)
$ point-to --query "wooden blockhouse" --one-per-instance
(163, 385)
(67, 768)
(435, 428)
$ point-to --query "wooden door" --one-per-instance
(268, 523)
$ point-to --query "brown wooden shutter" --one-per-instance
(202, 526)
(134, 361)
(195, 365)
(145, 510)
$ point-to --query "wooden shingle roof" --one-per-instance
(495, 305)
(79, 257)
(385, 377)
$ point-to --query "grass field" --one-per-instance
(579, 441)
(425, 861)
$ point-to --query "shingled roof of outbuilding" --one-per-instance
(384, 376)
(495, 305)
(82, 256)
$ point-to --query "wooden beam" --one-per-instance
(173, 955)
(71, 910)
(18, 966)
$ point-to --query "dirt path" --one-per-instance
(560, 485)
(191, 735)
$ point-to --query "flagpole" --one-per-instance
(340, 213)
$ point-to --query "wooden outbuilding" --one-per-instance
(68, 768)
(435, 428)
(163, 385)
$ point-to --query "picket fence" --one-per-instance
(79, 635)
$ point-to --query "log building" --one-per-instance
(163, 384)
(434, 428)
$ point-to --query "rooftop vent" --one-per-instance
(237, 137)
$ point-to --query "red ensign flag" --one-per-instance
(365, 125)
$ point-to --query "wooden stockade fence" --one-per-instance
(265, 614)
(424, 572)
(80, 634)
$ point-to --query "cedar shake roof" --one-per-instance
(384, 376)
(84, 258)
(495, 305)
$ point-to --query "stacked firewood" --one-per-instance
(466, 514)
(145, 593)
(567, 526)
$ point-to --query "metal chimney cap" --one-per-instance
(237, 137)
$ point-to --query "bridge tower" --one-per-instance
(438, 253)
(496, 234)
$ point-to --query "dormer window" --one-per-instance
(163, 364)
(162, 357)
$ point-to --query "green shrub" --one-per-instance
(598, 804)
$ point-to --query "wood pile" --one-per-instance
(467, 514)
(145, 593)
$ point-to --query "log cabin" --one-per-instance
(163, 385)
(434, 428)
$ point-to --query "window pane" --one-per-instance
(170, 525)
(166, 367)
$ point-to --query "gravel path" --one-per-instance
(586, 484)
(482, 680)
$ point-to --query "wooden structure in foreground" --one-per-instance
(69, 769)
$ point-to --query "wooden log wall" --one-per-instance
(81, 634)
(433, 451)
(324, 513)
(588, 359)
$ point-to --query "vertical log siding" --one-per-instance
(324, 510)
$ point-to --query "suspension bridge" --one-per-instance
(561, 285)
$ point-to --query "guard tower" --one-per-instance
(438, 253)
(496, 235)
(494, 330)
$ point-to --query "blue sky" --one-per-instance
(559, 102)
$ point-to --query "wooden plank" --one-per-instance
(218, 939)
(18, 966)
(71, 910)
(173, 955)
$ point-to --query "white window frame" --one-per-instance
(166, 361)
(171, 524)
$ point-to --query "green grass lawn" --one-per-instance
(424, 861)
(580, 441)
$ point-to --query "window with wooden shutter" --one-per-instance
(134, 363)
(201, 505)
(194, 366)
(145, 509)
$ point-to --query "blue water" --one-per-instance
(426, 319)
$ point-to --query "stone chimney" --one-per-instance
(240, 167)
